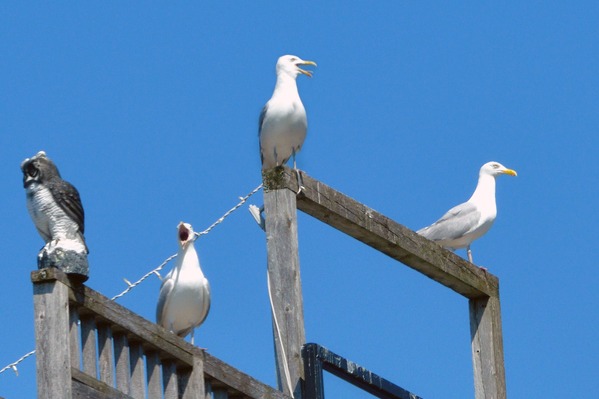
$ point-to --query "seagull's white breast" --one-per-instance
(189, 299)
(283, 130)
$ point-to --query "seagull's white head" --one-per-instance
(289, 64)
(495, 169)
(185, 234)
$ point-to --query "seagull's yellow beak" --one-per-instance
(510, 172)
(307, 73)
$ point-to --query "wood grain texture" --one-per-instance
(123, 361)
(285, 285)
(153, 375)
(87, 387)
(106, 354)
(487, 348)
(391, 238)
(137, 385)
(88, 345)
(52, 331)
(170, 380)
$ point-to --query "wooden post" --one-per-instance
(52, 326)
(487, 348)
(284, 279)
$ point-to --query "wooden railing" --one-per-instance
(88, 346)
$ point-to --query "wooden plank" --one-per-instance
(216, 369)
(191, 384)
(285, 285)
(487, 348)
(153, 374)
(355, 374)
(88, 345)
(87, 387)
(52, 331)
(137, 385)
(313, 372)
(389, 237)
(170, 380)
(123, 362)
(123, 319)
(74, 337)
(106, 354)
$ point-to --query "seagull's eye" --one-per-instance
(293, 59)
(495, 166)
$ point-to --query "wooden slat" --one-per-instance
(285, 285)
(153, 373)
(74, 337)
(51, 310)
(389, 237)
(170, 380)
(191, 384)
(123, 362)
(106, 354)
(87, 387)
(88, 345)
(138, 384)
(487, 348)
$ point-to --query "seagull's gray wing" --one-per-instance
(67, 198)
(165, 289)
(457, 222)
(260, 123)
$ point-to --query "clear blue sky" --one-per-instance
(151, 112)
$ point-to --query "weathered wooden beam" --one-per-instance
(52, 331)
(284, 283)
(87, 387)
(487, 348)
(391, 238)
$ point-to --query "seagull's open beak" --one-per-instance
(183, 234)
(510, 172)
(307, 73)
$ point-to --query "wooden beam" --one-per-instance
(391, 238)
(52, 331)
(487, 348)
(285, 285)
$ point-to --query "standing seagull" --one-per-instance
(468, 221)
(54, 204)
(283, 122)
(184, 299)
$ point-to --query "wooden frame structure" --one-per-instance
(88, 346)
(387, 236)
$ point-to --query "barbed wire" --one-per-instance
(130, 286)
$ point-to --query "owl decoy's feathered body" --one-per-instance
(53, 203)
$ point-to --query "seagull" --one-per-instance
(466, 222)
(53, 203)
(283, 123)
(184, 299)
